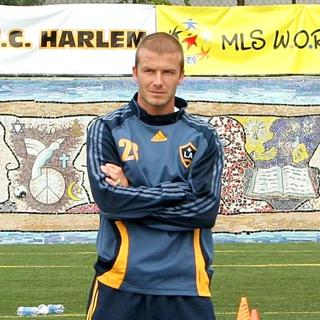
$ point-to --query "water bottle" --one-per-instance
(27, 311)
(43, 309)
(55, 308)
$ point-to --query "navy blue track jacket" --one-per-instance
(155, 236)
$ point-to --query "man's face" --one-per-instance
(158, 76)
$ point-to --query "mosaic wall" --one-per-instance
(272, 150)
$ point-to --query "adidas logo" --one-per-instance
(159, 137)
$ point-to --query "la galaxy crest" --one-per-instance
(187, 152)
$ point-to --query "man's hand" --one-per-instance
(114, 175)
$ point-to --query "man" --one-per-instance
(155, 174)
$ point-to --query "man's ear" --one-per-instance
(134, 73)
(181, 77)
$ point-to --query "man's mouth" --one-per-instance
(157, 92)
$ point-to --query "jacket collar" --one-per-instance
(169, 118)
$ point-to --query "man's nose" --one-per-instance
(158, 78)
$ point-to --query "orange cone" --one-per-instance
(243, 313)
(254, 315)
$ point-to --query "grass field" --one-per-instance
(282, 281)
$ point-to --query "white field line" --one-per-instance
(216, 251)
(43, 266)
(270, 265)
(215, 266)
(48, 253)
(300, 265)
(264, 250)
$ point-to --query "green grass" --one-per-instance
(280, 280)
(46, 274)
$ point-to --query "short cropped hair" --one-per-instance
(160, 42)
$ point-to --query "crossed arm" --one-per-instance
(169, 205)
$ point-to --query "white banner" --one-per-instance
(76, 39)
